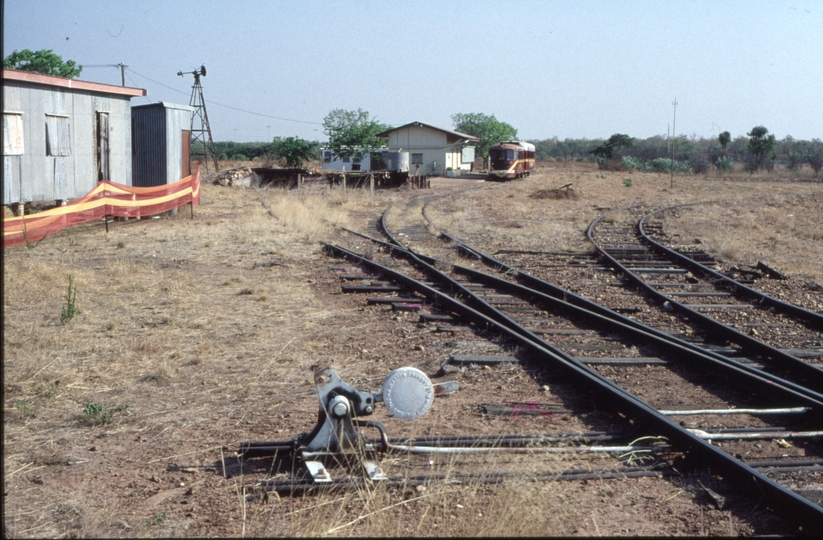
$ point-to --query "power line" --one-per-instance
(233, 108)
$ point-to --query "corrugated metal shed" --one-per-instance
(59, 151)
(161, 143)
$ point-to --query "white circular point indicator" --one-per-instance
(408, 393)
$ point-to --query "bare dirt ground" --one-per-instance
(193, 334)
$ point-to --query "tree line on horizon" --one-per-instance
(755, 150)
(687, 154)
(349, 131)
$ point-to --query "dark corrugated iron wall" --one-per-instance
(148, 146)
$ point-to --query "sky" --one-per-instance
(550, 68)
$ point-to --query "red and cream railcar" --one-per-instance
(511, 159)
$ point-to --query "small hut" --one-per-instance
(161, 135)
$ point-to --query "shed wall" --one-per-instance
(157, 150)
(36, 176)
(177, 121)
(149, 146)
(413, 137)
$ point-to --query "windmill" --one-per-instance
(200, 129)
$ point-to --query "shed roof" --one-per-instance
(60, 82)
(165, 105)
(422, 124)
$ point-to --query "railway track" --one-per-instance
(783, 338)
(757, 431)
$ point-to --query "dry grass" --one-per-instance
(761, 217)
(513, 509)
(781, 229)
(209, 330)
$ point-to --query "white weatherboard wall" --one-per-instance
(432, 150)
(330, 162)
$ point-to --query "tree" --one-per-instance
(45, 62)
(815, 157)
(724, 138)
(293, 150)
(488, 129)
(349, 131)
(761, 147)
(616, 141)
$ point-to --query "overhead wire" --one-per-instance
(229, 106)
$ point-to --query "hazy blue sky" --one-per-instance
(549, 68)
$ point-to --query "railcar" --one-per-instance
(511, 159)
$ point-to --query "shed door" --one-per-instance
(103, 172)
(186, 153)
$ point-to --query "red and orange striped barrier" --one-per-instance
(106, 199)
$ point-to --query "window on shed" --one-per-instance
(417, 159)
(58, 141)
(12, 134)
(327, 156)
(346, 159)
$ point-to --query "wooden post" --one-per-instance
(344, 181)
(371, 185)
(299, 180)
(107, 223)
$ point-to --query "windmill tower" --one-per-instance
(202, 145)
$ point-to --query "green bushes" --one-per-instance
(659, 165)
(633, 163)
(724, 163)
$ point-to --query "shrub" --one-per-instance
(724, 163)
(239, 157)
(632, 163)
(751, 164)
(102, 414)
(699, 164)
(70, 307)
(794, 161)
(816, 162)
(610, 164)
(666, 165)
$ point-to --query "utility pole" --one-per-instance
(674, 140)
(122, 67)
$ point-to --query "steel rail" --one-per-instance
(816, 319)
(466, 292)
(757, 380)
(568, 297)
(490, 477)
(420, 448)
(813, 376)
(698, 453)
